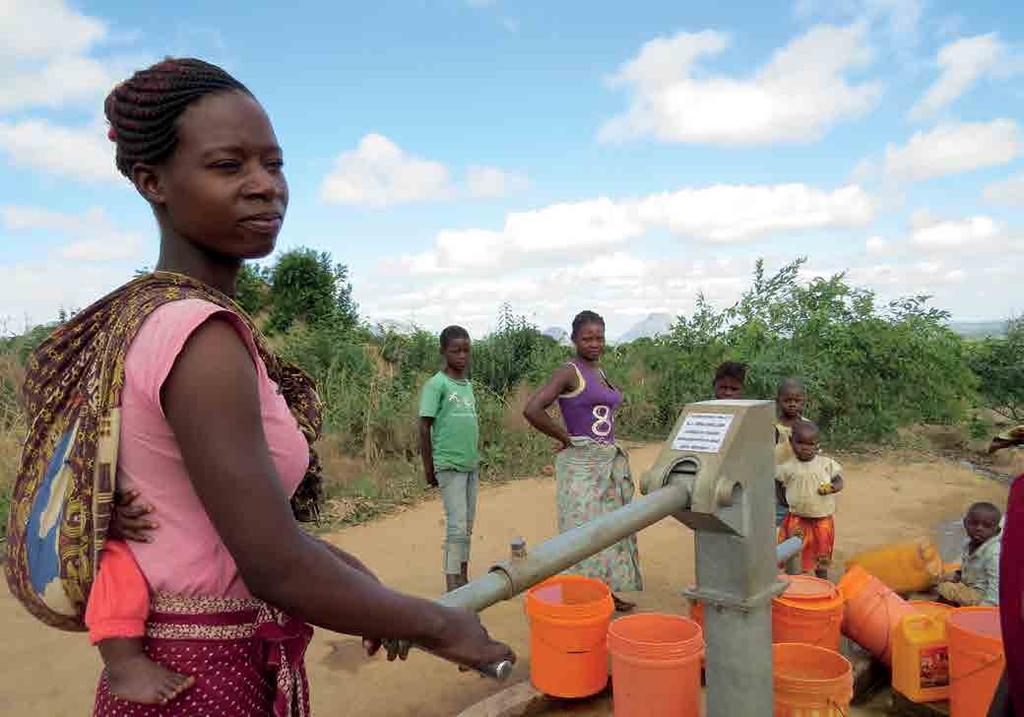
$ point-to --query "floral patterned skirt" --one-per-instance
(593, 479)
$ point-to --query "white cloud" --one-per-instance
(38, 29)
(379, 173)
(93, 235)
(61, 81)
(489, 182)
(46, 56)
(82, 153)
(962, 64)
(619, 284)
(978, 233)
(34, 293)
(730, 213)
(720, 213)
(900, 18)
(877, 245)
(530, 237)
(953, 148)
(619, 265)
(1009, 191)
(903, 278)
(796, 97)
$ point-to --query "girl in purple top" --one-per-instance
(592, 472)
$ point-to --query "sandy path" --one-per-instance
(53, 673)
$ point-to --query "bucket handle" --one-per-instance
(883, 603)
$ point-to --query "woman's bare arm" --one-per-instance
(562, 381)
(427, 450)
(211, 401)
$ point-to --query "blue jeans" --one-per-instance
(458, 492)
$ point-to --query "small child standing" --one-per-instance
(789, 409)
(977, 580)
(449, 437)
(810, 481)
(729, 379)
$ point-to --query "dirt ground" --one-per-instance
(888, 497)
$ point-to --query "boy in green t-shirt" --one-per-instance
(449, 436)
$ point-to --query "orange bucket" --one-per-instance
(872, 612)
(976, 659)
(809, 611)
(656, 665)
(569, 617)
(811, 681)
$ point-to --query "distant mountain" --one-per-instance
(394, 326)
(654, 324)
(978, 329)
(557, 333)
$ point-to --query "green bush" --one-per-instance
(999, 365)
(868, 369)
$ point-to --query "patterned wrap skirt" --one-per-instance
(246, 657)
(593, 479)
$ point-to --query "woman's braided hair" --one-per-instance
(143, 110)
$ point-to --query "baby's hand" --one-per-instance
(130, 519)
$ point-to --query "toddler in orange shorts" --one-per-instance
(810, 481)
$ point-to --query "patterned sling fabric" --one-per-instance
(64, 491)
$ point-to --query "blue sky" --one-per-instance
(458, 154)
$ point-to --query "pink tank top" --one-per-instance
(187, 556)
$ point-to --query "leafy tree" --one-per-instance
(999, 365)
(252, 290)
(517, 352)
(307, 286)
(867, 369)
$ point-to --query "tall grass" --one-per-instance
(12, 428)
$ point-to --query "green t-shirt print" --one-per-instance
(455, 433)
